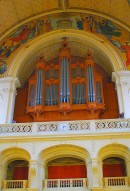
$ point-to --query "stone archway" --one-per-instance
(30, 49)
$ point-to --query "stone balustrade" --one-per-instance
(65, 183)
(116, 181)
(15, 184)
(65, 127)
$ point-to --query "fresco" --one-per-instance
(115, 34)
(2, 66)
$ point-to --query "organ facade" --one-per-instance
(65, 87)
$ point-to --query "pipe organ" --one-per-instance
(65, 90)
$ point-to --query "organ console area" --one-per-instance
(69, 88)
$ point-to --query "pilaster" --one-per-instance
(8, 87)
(41, 173)
(33, 176)
(2, 175)
(94, 168)
(128, 168)
(122, 81)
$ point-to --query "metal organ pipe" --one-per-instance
(39, 86)
(61, 82)
(68, 82)
(64, 81)
(90, 77)
(99, 93)
(51, 99)
(93, 90)
(88, 82)
(80, 93)
(31, 98)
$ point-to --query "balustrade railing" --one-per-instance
(65, 183)
(116, 181)
(12, 184)
(71, 127)
(15, 128)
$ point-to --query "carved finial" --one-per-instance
(89, 54)
(41, 57)
(64, 42)
(64, 50)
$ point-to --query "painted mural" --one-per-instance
(115, 34)
(2, 66)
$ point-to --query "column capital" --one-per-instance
(121, 76)
(10, 79)
(127, 161)
(94, 160)
(122, 81)
(33, 162)
(9, 84)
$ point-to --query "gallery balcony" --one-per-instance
(66, 128)
(111, 183)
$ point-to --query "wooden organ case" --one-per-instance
(65, 90)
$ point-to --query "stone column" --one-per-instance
(122, 81)
(1, 177)
(8, 87)
(94, 169)
(33, 176)
(128, 168)
(41, 173)
(3, 172)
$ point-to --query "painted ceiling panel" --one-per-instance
(14, 11)
(117, 9)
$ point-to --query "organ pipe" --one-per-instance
(99, 93)
(64, 73)
(90, 82)
(39, 87)
(32, 94)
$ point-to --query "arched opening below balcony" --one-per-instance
(66, 167)
(114, 167)
(114, 172)
(66, 172)
(17, 170)
(16, 175)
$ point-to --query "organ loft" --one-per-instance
(68, 88)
